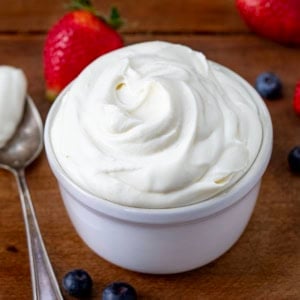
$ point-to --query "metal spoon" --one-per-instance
(21, 150)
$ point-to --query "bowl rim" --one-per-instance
(187, 213)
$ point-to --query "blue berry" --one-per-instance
(268, 85)
(78, 283)
(294, 159)
(119, 291)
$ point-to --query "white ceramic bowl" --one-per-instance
(161, 241)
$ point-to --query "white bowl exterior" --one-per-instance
(160, 248)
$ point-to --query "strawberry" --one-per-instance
(278, 20)
(73, 42)
(296, 101)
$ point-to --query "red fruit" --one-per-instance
(71, 44)
(296, 102)
(278, 20)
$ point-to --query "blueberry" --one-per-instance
(294, 159)
(119, 291)
(78, 283)
(268, 85)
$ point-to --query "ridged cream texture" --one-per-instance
(156, 125)
(13, 88)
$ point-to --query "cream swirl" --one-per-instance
(156, 125)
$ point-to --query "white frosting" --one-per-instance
(156, 125)
(13, 87)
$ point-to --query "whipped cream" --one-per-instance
(13, 87)
(156, 125)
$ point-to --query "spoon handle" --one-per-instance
(44, 283)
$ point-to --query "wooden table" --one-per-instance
(265, 263)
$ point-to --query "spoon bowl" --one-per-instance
(27, 142)
(21, 150)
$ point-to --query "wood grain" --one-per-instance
(264, 263)
(141, 16)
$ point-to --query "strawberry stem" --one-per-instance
(82, 5)
(114, 19)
